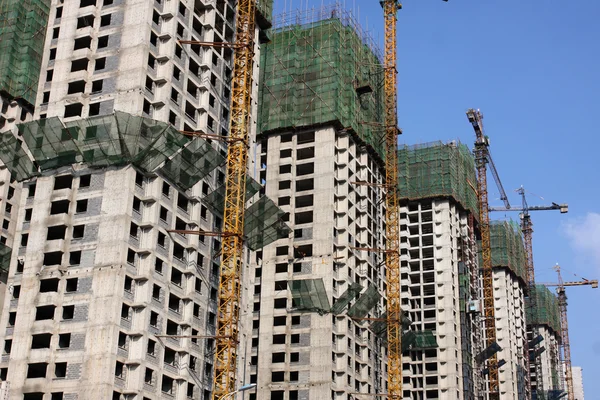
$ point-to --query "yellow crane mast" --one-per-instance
(392, 250)
(235, 199)
(564, 324)
(481, 159)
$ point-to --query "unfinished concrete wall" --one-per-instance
(510, 332)
(134, 280)
(303, 355)
(96, 294)
(438, 254)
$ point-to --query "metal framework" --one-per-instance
(564, 324)
(527, 229)
(235, 199)
(392, 254)
(481, 160)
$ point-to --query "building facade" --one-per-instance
(508, 261)
(578, 383)
(440, 285)
(313, 293)
(543, 331)
(106, 299)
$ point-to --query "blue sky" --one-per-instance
(532, 68)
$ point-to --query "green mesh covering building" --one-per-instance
(22, 32)
(151, 146)
(437, 170)
(322, 71)
(507, 246)
(547, 311)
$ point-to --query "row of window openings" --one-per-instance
(193, 67)
(280, 268)
(63, 182)
(167, 383)
(182, 201)
(43, 341)
(49, 286)
(82, 4)
(61, 207)
(79, 87)
(39, 370)
(277, 321)
(178, 252)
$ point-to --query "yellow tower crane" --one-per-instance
(564, 324)
(235, 199)
(392, 250)
(482, 158)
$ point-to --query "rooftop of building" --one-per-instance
(320, 69)
(508, 250)
(438, 170)
(546, 312)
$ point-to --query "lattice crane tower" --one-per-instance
(235, 199)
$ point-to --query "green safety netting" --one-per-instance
(418, 340)
(263, 224)
(115, 139)
(508, 251)
(425, 340)
(434, 170)
(488, 352)
(5, 253)
(310, 295)
(192, 163)
(321, 69)
(379, 327)
(365, 303)
(350, 294)
(51, 143)
(22, 32)
(547, 311)
(215, 200)
(15, 159)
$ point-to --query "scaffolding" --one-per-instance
(507, 246)
(151, 146)
(264, 9)
(546, 311)
(321, 69)
(438, 170)
(22, 32)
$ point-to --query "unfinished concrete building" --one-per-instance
(440, 286)
(97, 276)
(543, 333)
(22, 31)
(510, 284)
(319, 154)
(578, 383)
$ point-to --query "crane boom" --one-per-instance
(235, 199)
(392, 254)
(503, 196)
(481, 160)
(564, 324)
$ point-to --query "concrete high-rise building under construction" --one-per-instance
(106, 299)
(320, 155)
